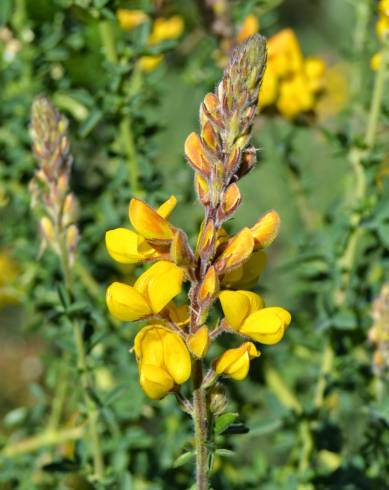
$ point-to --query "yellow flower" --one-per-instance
(246, 276)
(249, 27)
(382, 27)
(314, 70)
(266, 229)
(209, 287)
(127, 247)
(284, 53)
(179, 315)
(129, 19)
(376, 61)
(149, 223)
(163, 360)
(152, 291)
(151, 62)
(295, 96)
(235, 363)
(166, 29)
(269, 88)
(383, 7)
(199, 342)
(245, 312)
(236, 251)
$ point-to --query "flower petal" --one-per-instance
(147, 222)
(236, 307)
(126, 303)
(264, 326)
(126, 246)
(166, 208)
(176, 357)
(155, 381)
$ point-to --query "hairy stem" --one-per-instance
(200, 426)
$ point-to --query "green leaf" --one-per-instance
(183, 459)
(226, 453)
(90, 122)
(224, 421)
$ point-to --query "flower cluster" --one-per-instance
(379, 332)
(49, 188)
(220, 267)
(382, 29)
(291, 83)
(163, 29)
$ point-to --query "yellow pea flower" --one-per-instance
(295, 96)
(235, 363)
(152, 291)
(267, 325)
(245, 312)
(129, 19)
(126, 246)
(148, 222)
(314, 70)
(284, 53)
(266, 229)
(199, 342)
(150, 62)
(269, 89)
(249, 27)
(383, 7)
(246, 276)
(382, 27)
(238, 305)
(179, 315)
(236, 251)
(163, 360)
(376, 61)
(166, 29)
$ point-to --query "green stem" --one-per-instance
(47, 438)
(89, 403)
(86, 382)
(126, 134)
(360, 33)
(108, 40)
(200, 426)
(128, 144)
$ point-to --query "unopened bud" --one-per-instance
(47, 229)
(237, 250)
(208, 288)
(217, 399)
(266, 229)
(180, 251)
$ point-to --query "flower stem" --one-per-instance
(126, 134)
(85, 379)
(200, 426)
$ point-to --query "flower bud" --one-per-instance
(196, 156)
(237, 250)
(217, 399)
(47, 229)
(180, 252)
(202, 189)
(230, 201)
(129, 19)
(207, 239)
(199, 342)
(208, 288)
(266, 229)
(235, 363)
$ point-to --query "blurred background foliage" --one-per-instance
(130, 84)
